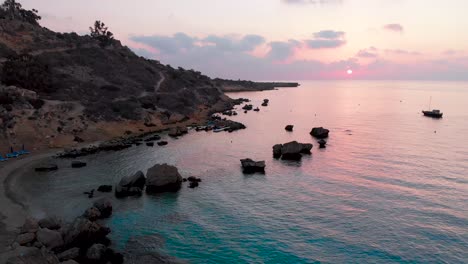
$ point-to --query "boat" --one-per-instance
(435, 113)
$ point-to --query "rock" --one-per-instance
(46, 167)
(150, 144)
(96, 252)
(319, 132)
(289, 128)
(163, 178)
(83, 233)
(92, 214)
(78, 139)
(113, 257)
(26, 238)
(105, 188)
(247, 107)
(131, 185)
(264, 104)
(69, 254)
(293, 150)
(178, 131)
(69, 262)
(38, 244)
(277, 151)
(30, 226)
(104, 206)
(322, 143)
(249, 166)
(257, 109)
(193, 179)
(78, 164)
(162, 143)
(153, 138)
(193, 184)
(32, 255)
(50, 238)
(51, 222)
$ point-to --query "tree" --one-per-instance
(13, 10)
(101, 33)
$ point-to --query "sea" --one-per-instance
(391, 186)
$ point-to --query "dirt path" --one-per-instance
(158, 85)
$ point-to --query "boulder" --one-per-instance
(104, 206)
(193, 184)
(249, 166)
(96, 252)
(69, 254)
(319, 132)
(257, 109)
(277, 151)
(293, 150)
(153, 138)
(150, 144)
(131, 185)
(30, 226)
(50, 238)
(25, 238)
(177, 131)
(92, 214)
(289, 128)
(83, 233)
(46, 167)
(322, 143)
(193, 179)
(105, 188)
(162, 143)
(78, 164)
(163, 178)
(247, 107)
(51, 222)
(113, 257)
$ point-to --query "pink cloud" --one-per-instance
(394, 28)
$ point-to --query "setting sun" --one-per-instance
(349, 72)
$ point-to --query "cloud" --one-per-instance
(394, 28)
(177, 43)
(367, 53)
(327, 39)
(402, 52)
(247, 43)
(282, 50)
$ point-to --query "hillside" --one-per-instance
(56, 87)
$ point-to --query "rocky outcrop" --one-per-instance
(249, 166)
(292, 150)
(104, 206)
(289, 128)
(51, 222)
(163, 178)
(193, 181)
(131, 185)
(177, 131)
(26, 238)
(319, 132)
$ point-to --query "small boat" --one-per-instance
(432, 113)
(221, 129)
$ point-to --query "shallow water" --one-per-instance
(391, 187)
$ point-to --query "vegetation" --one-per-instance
(101, 33)
(10, 9)
(27, 72)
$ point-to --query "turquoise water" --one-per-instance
(392, 186)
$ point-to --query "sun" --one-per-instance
(349, 72)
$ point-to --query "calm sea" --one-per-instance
(392, 186)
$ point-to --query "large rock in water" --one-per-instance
(277, 151)
(131, 185)
(104, 206)
(294, 150)
(249, 166)
(163, 178)
(319, 132)
(83, 233)
(289, 128)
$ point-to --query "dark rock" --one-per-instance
(104, 206)
(247, 107)
(178, 131)
(96, 252)
(257, 109)
(83, 233)
(193, 179)
(131, 185)
(306, 148)
(249, 166)
(78, 139)
(50, 238)
(105, 188)
(92, 214)
(113, 257)
(322, 143)
(51, 222)
(153, 138)
(46, 167)
(30, 226)
(289, 128)
(319, 132)
(26, 238)
(293, 150)
(71, 253)
(264, 104)
(78, 164)
(163, 178)
(162, 143)
(277, 151)
(150, 144)
(193, 184)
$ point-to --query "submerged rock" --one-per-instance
(319, 132)
(289, 128)
(46, 167)
(322, 143)
(292, 150)
(163, 178)
(249, 166)
(78, 164)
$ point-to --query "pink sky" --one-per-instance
(283, 39)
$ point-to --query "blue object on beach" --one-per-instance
(12, 154)
(2, 158)
(23, 151)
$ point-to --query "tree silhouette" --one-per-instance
(101, 33)
(10, 9)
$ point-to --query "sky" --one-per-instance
(283, 39)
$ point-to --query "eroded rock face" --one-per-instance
(249, 166)
(319, 132)
(163, 178)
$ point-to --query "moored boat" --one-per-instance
(434, 113)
